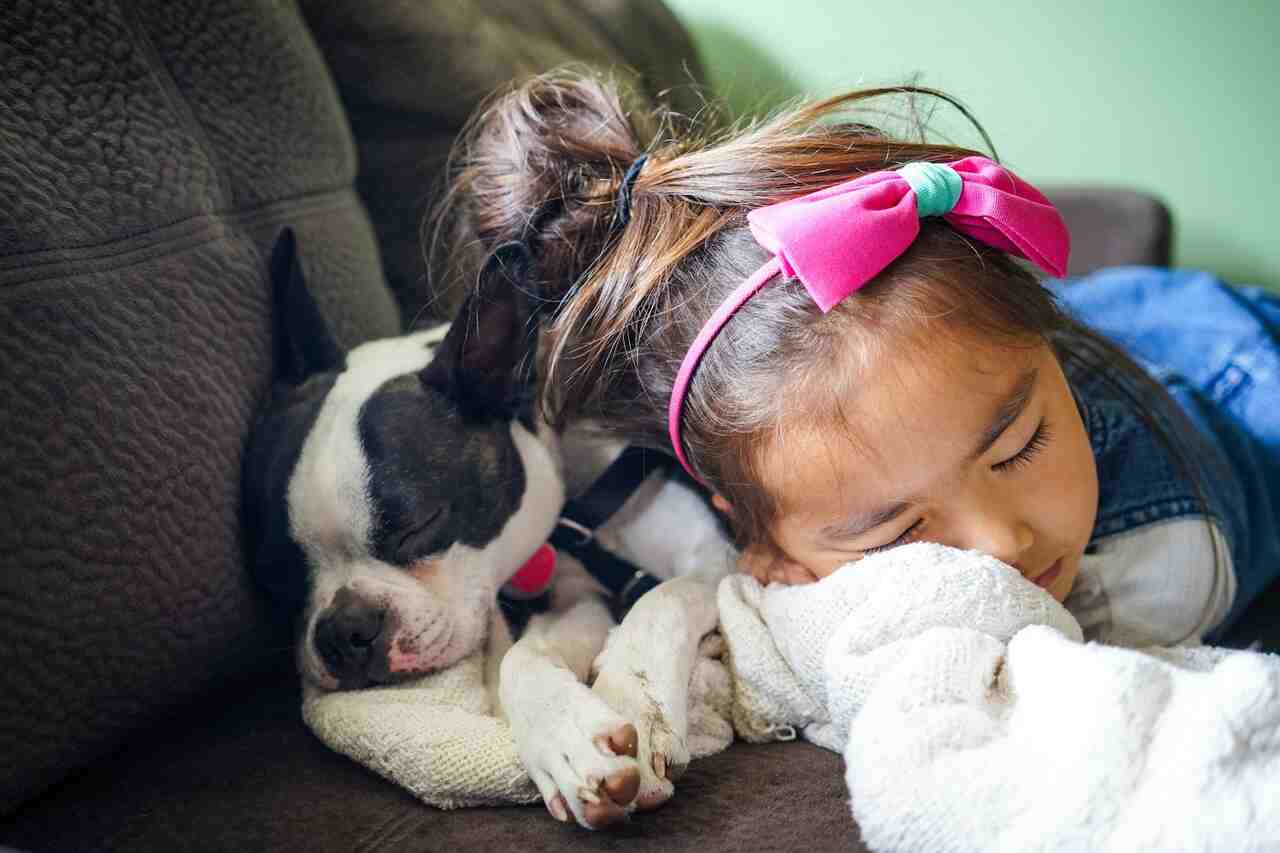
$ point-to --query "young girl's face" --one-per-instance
(962, 443)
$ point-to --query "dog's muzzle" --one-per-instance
(350, 638)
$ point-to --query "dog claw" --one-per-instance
(623, 786)
(559, 808)
(671, 771)
(604, 814)
(605, 803)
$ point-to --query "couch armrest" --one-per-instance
(1113, 227)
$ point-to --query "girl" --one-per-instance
(830, 328)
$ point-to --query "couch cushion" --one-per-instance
(149, 151)
(243, 773)
(1110, 227)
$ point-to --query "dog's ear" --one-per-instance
(483, 361)
(304, 342)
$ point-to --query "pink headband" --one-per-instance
(837, 239)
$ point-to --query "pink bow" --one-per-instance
(837, 239)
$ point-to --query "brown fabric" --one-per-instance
(148, 153)
(411, 73)
(1110, 227)
(242, 773)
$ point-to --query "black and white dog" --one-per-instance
(391, 491)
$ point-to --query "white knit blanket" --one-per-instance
(971, 716)
(441, 737)
(438, 737)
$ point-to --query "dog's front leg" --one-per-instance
(577, 749)
(644, 672)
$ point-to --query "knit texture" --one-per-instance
(810, 656)
(441, 738)
(972, 718)
(438, 737)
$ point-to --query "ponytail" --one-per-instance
(540, 164)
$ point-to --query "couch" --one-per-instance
(149, 151)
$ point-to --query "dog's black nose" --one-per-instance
(346, 633)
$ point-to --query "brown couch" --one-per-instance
(149, 150)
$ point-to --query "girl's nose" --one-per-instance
(1004, 536)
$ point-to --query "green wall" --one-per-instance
(1180, 98)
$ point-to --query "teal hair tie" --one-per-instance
(937, 187)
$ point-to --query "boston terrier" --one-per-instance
(398, 495)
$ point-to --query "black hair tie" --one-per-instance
(622, 206)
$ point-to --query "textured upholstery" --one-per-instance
(148, 152)
(1110, 227)
(247, 776)
(411, 73)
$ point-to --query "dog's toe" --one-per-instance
(604, 813)
(623, 786)
(668, 758)
(621, 741)
(606, 803)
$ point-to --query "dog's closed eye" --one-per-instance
(423, 539)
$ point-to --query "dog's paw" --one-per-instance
(583, 761)
(662, 753)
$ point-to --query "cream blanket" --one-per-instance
(437, 737)
(971, 717)
(969, 713)
(441, 737)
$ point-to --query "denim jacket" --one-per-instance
(1216, 351)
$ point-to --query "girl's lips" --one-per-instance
(1048, 577)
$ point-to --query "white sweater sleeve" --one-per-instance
(1161, 584)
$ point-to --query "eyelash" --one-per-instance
(1038, 441)
(906, 537)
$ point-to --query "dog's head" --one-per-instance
(390, 490)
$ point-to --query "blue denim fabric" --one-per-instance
(1216, 350)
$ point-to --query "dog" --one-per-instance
(390, 492)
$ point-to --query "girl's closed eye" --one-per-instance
(907, 535)
(1038, 441)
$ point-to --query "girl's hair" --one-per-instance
(542, 164)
